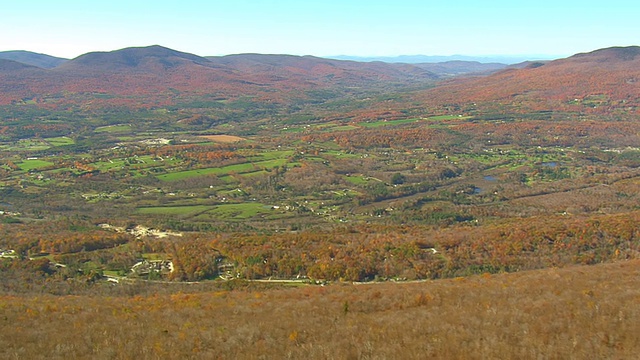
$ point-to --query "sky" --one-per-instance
(69, 28)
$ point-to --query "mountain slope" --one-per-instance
(423, 59)
(8, 66)
(151, 58)
(454, 68)
(17, 80)
(30, 58)
(156, 74)
(321, 69)
(610, 75)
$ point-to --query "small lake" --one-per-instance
(550, 164)
(490, 178)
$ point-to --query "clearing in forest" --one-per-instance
(223, 138)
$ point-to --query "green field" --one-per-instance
(357, 180)
(387, 123)
(60, 141)
(173, 210)
(114, 128)
(146, 161)
(34, 164)
(28, 145)
(236, 168)
(235, 211)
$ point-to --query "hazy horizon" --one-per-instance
(69, 28)
(403, 58)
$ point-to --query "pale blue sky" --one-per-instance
(69, 28)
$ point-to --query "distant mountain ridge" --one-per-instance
(133, 58)
(622, 53)
(597, 81)
(11, 65)
(455, 68)
(312, 67)
(156, 74)
(418, 59)
(30, 58)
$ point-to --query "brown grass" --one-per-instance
(572, 313)
(223, 138)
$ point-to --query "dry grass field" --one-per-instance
(223, 138)
(581, 312)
